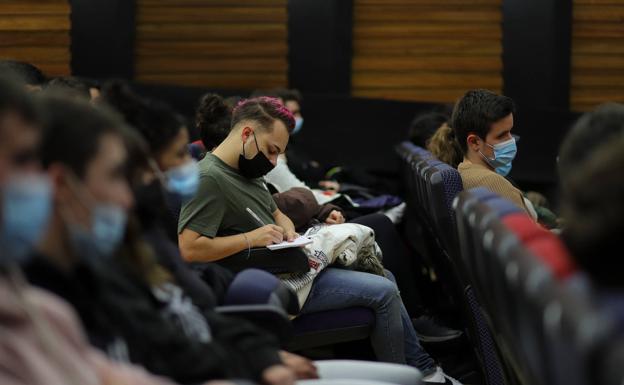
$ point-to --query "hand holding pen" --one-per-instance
(265, 234)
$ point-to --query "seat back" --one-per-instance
(575, 331)
(465, 220)
(486, 213)
(609, 363)
(444, 183)
(254, 286)
(549, 330)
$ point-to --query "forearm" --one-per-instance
(204, 249)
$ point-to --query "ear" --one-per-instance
(58, 176)
(473, 142)
(246, 133)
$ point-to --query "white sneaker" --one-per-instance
(439, 377)
(396, 213)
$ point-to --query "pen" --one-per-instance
(255, 217)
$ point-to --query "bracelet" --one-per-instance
(248, 245)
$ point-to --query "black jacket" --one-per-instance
(208, 289)
(113, 303)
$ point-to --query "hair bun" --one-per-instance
(211, 108)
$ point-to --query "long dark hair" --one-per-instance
(158, 123)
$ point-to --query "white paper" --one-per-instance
(299, 242)
(321, 198)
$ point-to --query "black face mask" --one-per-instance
(255, 167)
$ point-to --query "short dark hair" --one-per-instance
(89, 82)
(270, 92)
(23, 72)
(14, 99)
(588, 133)
(289, 95)
(593, 209)
(72, 132)
(264, 110)
(213, 119)
(475, 113)
(156, 121)
(70, 86)
(424, 126)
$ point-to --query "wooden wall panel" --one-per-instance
(426, 50)
(597, 53)
(213, 43)
(36, 31)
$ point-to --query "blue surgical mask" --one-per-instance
(26, 206)
(183, 180)
(103, 237)
(504, 154)
(105, 231)
(298, 125)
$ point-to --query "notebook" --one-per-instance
(299, 242)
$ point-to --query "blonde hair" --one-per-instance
(444, 146)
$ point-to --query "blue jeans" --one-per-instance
(393, 337)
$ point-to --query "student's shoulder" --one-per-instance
(492, 178)
(211, 166)
(210, 169)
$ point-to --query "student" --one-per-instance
(31, 77)
(215, 225)
(293, 168)
(69, 86)
(590, 164)
(167, 138)
(212, 119)
(591, 131)
(593, 210)
(482, 122)
(162, 175)
(83, 151)
(424, 126)
(443, 146)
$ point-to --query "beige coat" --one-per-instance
(476, 175)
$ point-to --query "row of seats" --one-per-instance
(431, 188)
(529, 315)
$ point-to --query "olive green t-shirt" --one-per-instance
(219, 207)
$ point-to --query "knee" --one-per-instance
(390, 276)
(387, 289)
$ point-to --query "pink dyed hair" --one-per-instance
(265, 110)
